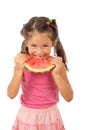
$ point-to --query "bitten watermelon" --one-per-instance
(39, 65)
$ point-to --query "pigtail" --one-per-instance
(59, 51)
(24, 48)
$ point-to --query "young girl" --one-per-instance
(40, 92)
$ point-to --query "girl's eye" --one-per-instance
(33, 45)
(46, 46)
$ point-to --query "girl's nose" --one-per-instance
(39, 53)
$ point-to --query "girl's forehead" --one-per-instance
(39, 38)
(38, 35)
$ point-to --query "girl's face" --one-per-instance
(39, 45)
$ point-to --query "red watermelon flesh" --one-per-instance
(38, 65)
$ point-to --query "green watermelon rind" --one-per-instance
(51, 67)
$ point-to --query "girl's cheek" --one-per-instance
(31, 51)
(48, 51)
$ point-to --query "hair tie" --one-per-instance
(24, 25)
(49, 22)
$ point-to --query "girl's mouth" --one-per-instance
(40, 57)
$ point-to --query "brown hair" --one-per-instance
(44, 24)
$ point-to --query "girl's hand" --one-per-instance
(58, 62)
(20, 61)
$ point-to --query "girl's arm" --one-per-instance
(61, 79)
(14, 85)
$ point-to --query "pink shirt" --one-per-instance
(38, 90)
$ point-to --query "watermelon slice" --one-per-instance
(39, 65)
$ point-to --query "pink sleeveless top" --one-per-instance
(38, 90)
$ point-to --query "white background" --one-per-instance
(71, 17)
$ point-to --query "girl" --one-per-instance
(40, 92)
